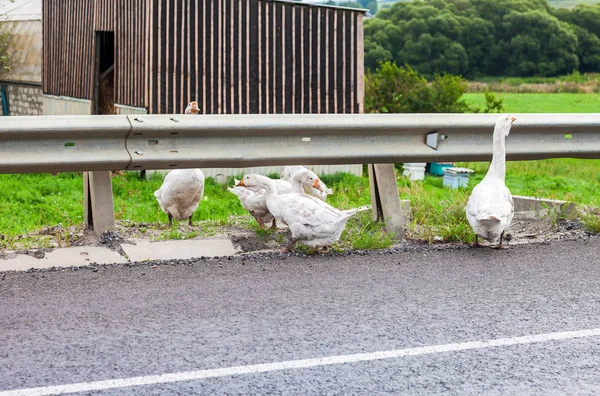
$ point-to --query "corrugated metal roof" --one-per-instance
(21, 10)
(320, 3)
(25, 53)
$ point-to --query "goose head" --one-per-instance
(192, 108)
(308, 179)
(504, 123)
(254, 180)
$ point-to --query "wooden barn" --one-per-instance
(232, 56)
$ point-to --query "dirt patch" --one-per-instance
(530, 227)
(527, 227)
(252, 241)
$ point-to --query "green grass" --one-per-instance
(30, 202)
(437, 211)
(565, 178)
(591, 222)
(217, 203)
(541, 103)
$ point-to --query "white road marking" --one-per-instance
(297, 364)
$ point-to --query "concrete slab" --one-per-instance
(524, 204)
(64, 257)
(170, 250)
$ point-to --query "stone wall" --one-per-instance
(24, 99)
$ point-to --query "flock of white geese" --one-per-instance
(297, 200)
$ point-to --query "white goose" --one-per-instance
(254, 199)
(180, 193)
(256, 204)
(490, 208)
(311, 221)
(283, 187)
(288, 172)
(192, 108)
(182, 189)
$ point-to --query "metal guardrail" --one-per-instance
(63, 143)
(103, 143)
(88, 143)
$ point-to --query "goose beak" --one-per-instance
(512, 119)
(195, 108)
(317, 185)
(241, 183)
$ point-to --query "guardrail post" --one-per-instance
(98, 204)
(385, 198)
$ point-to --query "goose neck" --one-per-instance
(269, 185)
(498, 165)
(296, 183)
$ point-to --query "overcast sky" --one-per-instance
(20, 10)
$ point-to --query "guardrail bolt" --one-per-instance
(139, 152)
(139, 119)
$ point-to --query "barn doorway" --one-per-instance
(104, 74)
(103, 102)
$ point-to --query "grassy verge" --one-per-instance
(34, 202)
(541, 102)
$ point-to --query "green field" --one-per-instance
(542, 102)
(570, 3)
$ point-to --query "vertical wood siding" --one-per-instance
(131, 44)
(68, 43)
(104, 15)
(232, 56)
(253, 56)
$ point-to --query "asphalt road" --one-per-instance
(76, 327)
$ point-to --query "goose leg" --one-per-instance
(190, 219)
(261, 223)
(476, 241)
(501, 246)
(288, 248)
(274, 225)
(170, 219)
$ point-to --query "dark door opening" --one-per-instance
(104, 74)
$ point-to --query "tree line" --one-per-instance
(475, 38)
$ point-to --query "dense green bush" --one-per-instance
(476, 38)
(393, 89)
